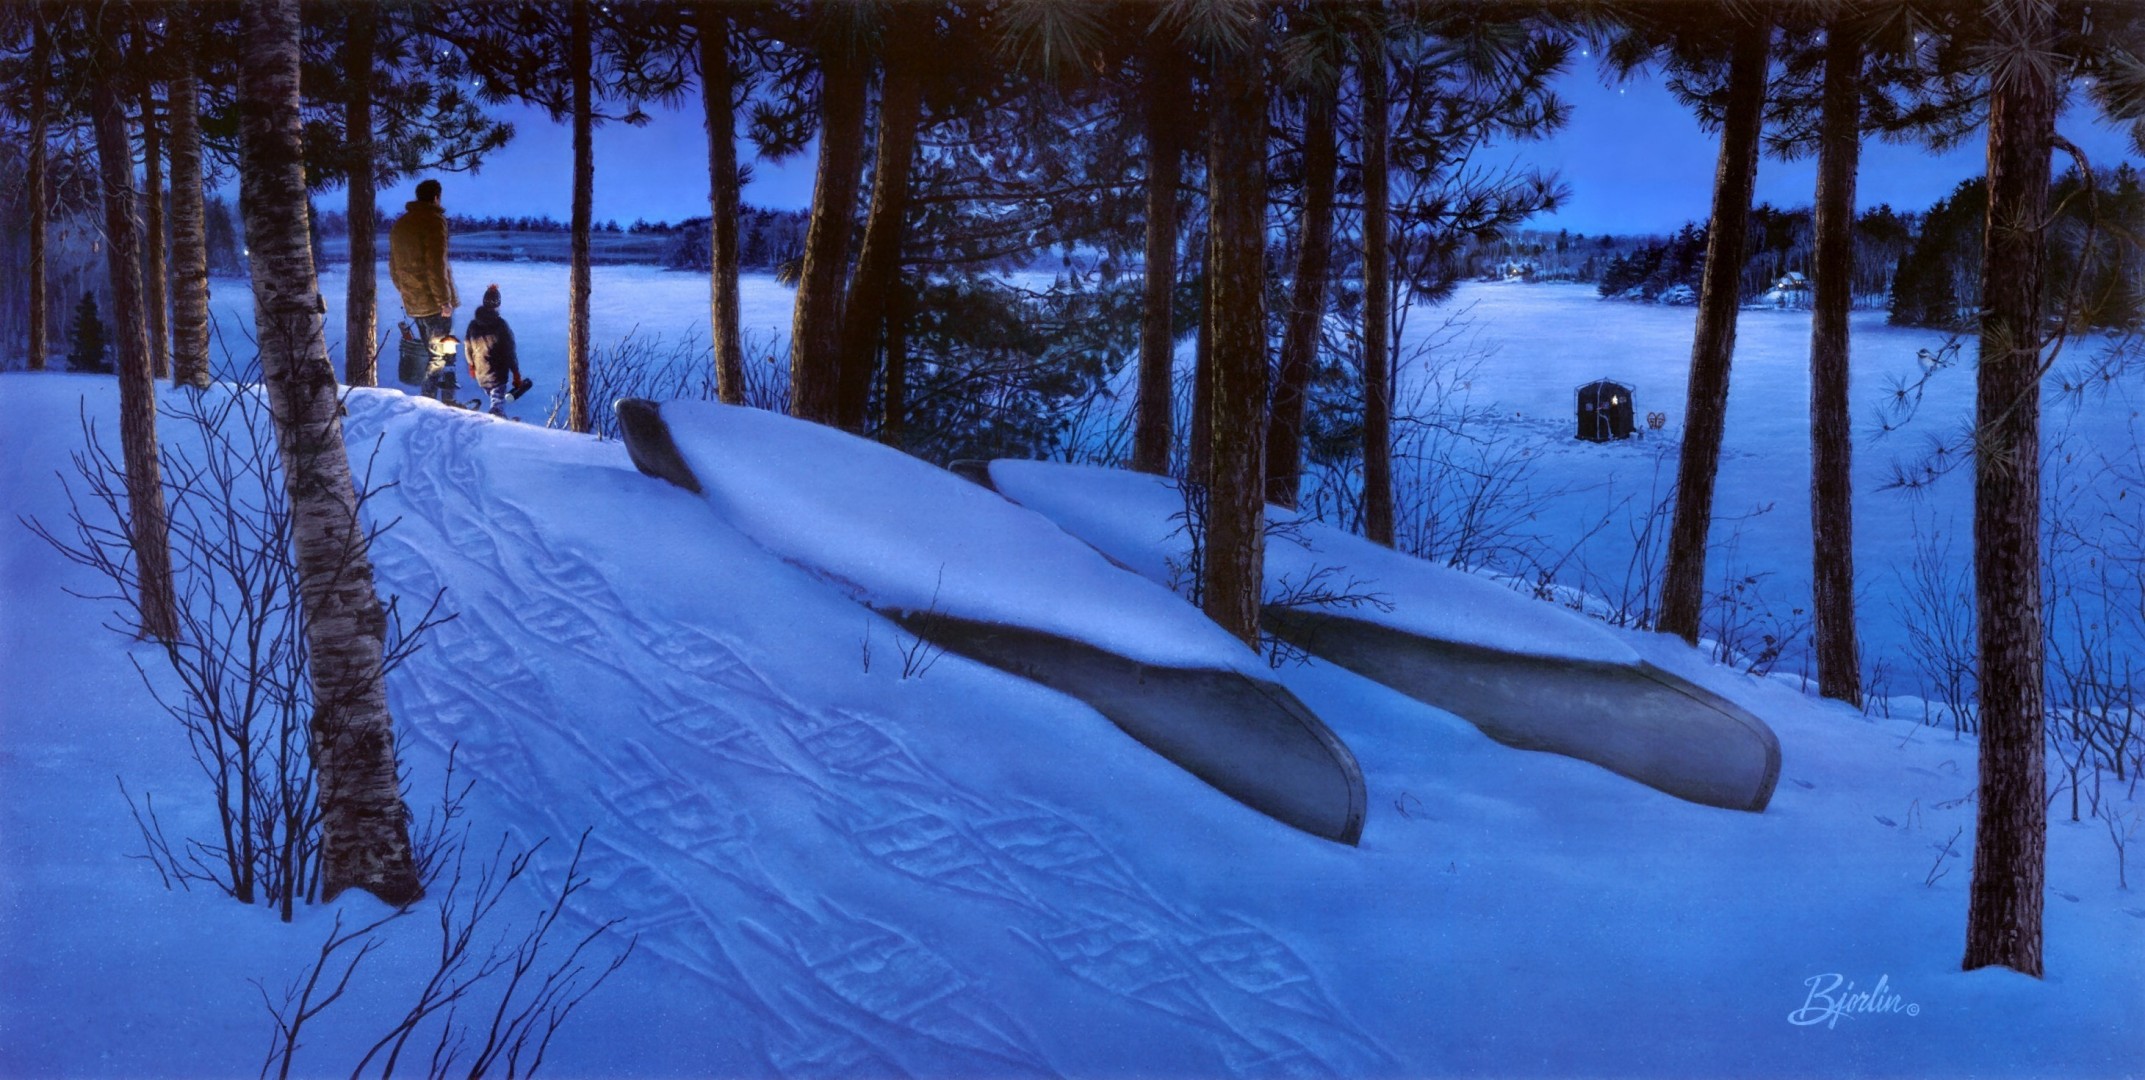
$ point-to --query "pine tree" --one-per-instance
(718, 83)
(907, 56)
(1165, 84)
(87, 340)
(1692, 40)
(2003, 922)
(1233, 582)
(815, 328)
(1319, 38)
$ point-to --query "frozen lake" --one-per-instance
(1527, 347)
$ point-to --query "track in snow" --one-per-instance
(691, 739)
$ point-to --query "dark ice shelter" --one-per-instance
(1605, 411)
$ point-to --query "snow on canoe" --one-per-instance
(1527, 673)
(983, 578)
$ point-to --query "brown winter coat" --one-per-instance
(417, 260)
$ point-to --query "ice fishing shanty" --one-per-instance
(1605, 411)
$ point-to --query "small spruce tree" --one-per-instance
(87, 339)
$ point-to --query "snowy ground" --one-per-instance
(835, 870)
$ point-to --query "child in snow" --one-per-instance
(489, 344)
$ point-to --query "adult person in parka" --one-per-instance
(417, 261)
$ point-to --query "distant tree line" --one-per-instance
(1647, 267)
(1923, 268)
(1939, 277)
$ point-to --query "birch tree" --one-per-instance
(365, 841)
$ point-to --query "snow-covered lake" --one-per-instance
(1527, 347)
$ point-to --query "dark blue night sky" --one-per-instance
(1634, 159)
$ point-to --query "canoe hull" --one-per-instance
(1251, 740)
(1636, 720)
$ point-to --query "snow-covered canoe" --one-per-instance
(1527, 673)
(984, 578)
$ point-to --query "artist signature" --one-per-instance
(1832, 997)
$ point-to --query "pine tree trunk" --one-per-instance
(38, 194)
(1832, 552)
(130, 331)
(156, 293)
(878, 266)
(1713, 344)
(815, 329)
(1307, 304)
(2003, 917)
(581, 48)
(365, 840)
(716, 81)
(1377, 301)
(361, 326)
(189, 220)
(1234, 560)
(1153, 417)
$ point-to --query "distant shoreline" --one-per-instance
(604, 249)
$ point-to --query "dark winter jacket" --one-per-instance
(489, 345)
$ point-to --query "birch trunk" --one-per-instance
(365, 826)
(130, 332)
(1199, 446)
(894, 401)
(156, 294)
(189, 219)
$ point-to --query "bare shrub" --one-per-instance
(1466, 486)
(520, 977)
(237, 681)
(683, 370)
(1623, 595)
(1328, 587)
(1935, 605)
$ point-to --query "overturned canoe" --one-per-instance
(985, 579)
(1527, 673)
